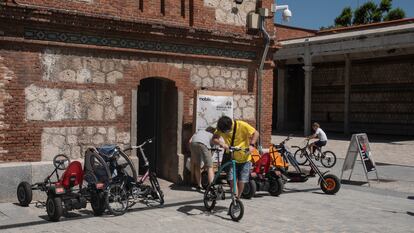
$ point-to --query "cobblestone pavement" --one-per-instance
(301, 208)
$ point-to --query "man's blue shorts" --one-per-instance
(242, 172)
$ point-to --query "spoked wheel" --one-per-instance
(332, 186)
(236, 210)
(210, 197)
(117, 199)
(24, 193)
(328, 159)
(54, 208)
(156, 193)
(300, 157)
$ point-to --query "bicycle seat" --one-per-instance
(106, 150)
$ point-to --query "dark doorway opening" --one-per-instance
(292, 98)
(295, 97)
(157, 118)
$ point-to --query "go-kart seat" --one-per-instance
(106, 150)
(264, 162)
(73, 175)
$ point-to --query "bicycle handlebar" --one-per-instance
(149, 141)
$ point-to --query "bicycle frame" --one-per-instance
(221, 168)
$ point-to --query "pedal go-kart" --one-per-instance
(71, 190)
(329, 183)
(264, 176)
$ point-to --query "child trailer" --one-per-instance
(69, 191)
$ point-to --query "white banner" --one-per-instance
(211, 106)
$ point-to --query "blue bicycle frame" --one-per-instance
(221, 168)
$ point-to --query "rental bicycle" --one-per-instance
(215, 190)
(327, 158)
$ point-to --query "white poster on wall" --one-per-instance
(210, 106)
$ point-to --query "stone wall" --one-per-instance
(228, 12)
(47, 104)
(6, 75)
(73, 141)
(79, 88)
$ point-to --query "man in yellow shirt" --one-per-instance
(245, 137)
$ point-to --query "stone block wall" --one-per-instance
(73, 100)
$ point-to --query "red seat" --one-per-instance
(74, 170)
(263, 164)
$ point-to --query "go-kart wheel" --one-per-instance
(24, 193)
(236, 210)
(157, 193)
(333, 184)
(328, 159)
(54, 208)
(249, 189)
(300, 157)
(61, 161)
(98, 203)
(276, 186)
(117, 200)
(210, 198)
(204, 179)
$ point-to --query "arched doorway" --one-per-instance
(157, 114)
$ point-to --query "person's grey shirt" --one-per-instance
(203, 137)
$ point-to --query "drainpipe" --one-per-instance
(259, 80)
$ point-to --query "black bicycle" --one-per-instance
(327, 158)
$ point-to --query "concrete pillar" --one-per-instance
(281, 98)
(308, 90)
(347, 93)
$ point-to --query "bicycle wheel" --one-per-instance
(236, 210)
(117, 199)
(210, 197)
(300, 157)
(328, 159)
(156, 193)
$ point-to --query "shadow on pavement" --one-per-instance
(410, 197)
(287, 190)
(410, 213)
(353, 182)
(218, 209)
(75, 216)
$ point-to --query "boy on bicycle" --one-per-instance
(238, 134)
(319, 134)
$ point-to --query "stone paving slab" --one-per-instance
(301, 208)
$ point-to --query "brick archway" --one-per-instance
(184, 88)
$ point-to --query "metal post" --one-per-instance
(347, 93)
(308, 89)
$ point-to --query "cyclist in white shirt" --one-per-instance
(319, 134)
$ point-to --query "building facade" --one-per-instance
(82, 73)
(356, 79)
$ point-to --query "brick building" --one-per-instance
(355, 79)
(81, 73)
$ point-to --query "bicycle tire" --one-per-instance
(328, 161)
(156, 189)
(210, 195)
(234, 206)
(117, 194)
(300, 158)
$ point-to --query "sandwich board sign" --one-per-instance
(359, 146)
(209, 107)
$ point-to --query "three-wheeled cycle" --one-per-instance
(329, 183)
(215, 190)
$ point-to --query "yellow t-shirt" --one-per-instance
(244, 132)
